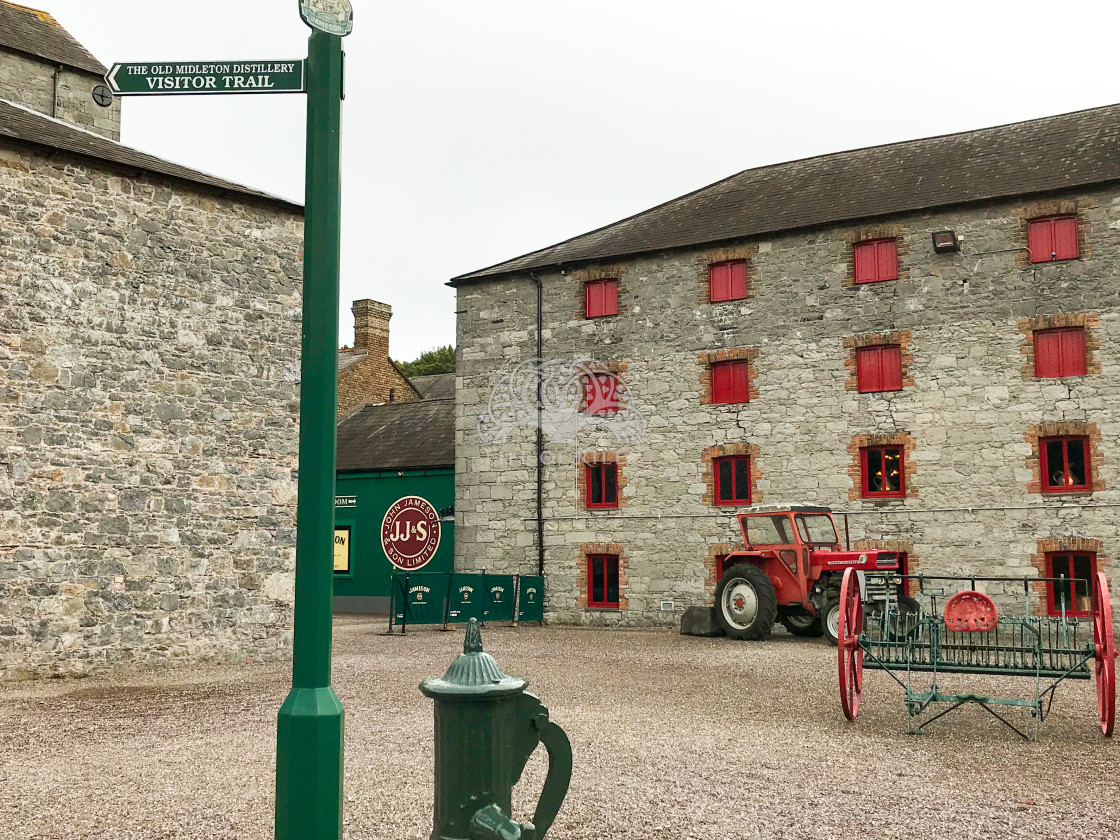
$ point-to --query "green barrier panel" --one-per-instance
(468, 598)
(500, 588)
(397, 598)
(426, 598)
(530, 599)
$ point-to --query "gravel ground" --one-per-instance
(673, 738)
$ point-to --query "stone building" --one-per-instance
(923, 335)
(149, 373)
(366, 374)
(43, 68)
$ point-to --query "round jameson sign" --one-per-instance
(410, 533)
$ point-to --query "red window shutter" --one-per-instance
(1047, 354)
(719, 277)
(886, 252)
(741, 386)
(738, 280)
(1040, 241)
(865, 263)
(891, 364)
(721, 383)
(1065, 238)
(1073, 356)
(869, 372)
(601, 298)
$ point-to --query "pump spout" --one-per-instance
(490, 823)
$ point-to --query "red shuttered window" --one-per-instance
(1049, 240)
(727, 281)
(879, 368)
(602, 580)
(876, 261)
(1064, 464)
(881, 472)
(1078, 568)
(600, 393)
(602, 485)
(600, 298)
(733, 480)
(730, 382)
(1060, 353)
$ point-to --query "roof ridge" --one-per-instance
(655, 239)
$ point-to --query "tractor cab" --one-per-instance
(790, 571)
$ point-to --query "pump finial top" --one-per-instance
(473, 641)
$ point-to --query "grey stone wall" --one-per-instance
(149, 366)
(967, 411)
(31, 82)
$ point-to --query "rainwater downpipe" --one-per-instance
(540, 431)
(54, 102)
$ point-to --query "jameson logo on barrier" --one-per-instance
(530, 603)
(468, 598)
(410, 533)
(420, 599)
(500, 588)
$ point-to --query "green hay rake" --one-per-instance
(970, 637)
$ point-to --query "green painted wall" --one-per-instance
(372, 494)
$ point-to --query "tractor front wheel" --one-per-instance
(830, 618)
(746, 603)
(802, 625)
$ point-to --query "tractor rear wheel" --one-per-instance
(802, 625)
(746, 603)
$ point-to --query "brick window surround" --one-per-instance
(722, 451)
(590, 458)
(1088, 321)
(1041, 560)
(706, 360)
(855, 467)
(717, 256)
(1028, 213)
(853, 344)
(581, 277)
(870, 234)
(711, 564)
(1064, 429)
(586, 550)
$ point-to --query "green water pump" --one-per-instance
(487, 726)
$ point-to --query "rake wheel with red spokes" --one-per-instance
(1105, 646)
(848, 651)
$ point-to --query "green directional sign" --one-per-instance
(200, 77)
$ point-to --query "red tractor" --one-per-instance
(791, 572)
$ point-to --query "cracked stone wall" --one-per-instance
(149, 367)
(965, 413)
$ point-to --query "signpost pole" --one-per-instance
(309, 741)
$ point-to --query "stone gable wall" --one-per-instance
(372, 379)
(966, 406)
(30, 81)
(149, 374)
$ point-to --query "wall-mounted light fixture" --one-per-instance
(945, 242)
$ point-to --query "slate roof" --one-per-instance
(37, 33)
(436, 386)
(1042, 155)
(398, 436)
(28, 126)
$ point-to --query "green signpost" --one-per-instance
(201, 77)
(309, 726)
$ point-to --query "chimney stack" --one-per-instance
(371, 327)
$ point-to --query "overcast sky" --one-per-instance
(478, 130)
